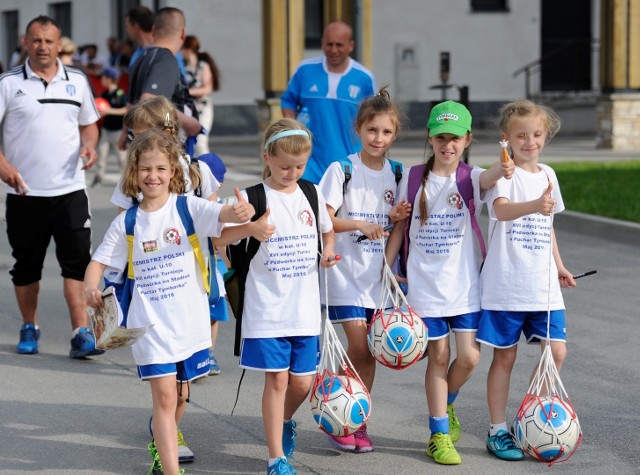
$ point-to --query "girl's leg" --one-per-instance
(297, 393)
(273, 402)
(435, 380)
(467, 358)
(498, 381)
(214, 333)
(358, 351)
(559, 352)
(164, 397)
(182, 393)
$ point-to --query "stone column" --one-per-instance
(618, 108)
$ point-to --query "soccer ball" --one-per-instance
(339, 404)
(397, 338)
(547, 428)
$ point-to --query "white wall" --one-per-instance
(485, 48)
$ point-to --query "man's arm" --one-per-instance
(11, 176)
(89, 136)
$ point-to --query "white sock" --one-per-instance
(494, 428)
(272, 461)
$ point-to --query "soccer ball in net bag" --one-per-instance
(340, 405)
(397, 338)
(547, 428)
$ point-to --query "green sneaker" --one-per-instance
(185, 454)
(454, 424)
(441, 449)
(156, 464)
(504, 447)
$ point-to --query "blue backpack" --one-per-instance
(347, 166)
(124, 290)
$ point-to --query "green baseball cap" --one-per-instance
(449, 117)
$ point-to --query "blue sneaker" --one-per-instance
(29, 336)
(281, 467)
(214, 368)
(504, 447)
(289, 438)
(84, 344)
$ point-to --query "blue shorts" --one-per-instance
(196, 366)
(439, 326)
(300, 355)
(218, 312)
(346, 313)
(502, 329)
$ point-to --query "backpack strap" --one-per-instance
(197, 191)
(413, 185)
(241, 254)
(187, 222)
(129, 226)
(311, 193)
(465, 187)
(397, 169)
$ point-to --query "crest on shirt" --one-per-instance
(388, 197)
(150, 246)
(172, 236)
(454, 200)
(354, 91)
(305, 218)
(71, 89)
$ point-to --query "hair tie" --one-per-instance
(167, 120)
(285, 133)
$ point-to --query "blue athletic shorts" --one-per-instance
(218, 312)
(439, 326)
(346, 313)
(196, 366)
(298, 354)
(502, 329)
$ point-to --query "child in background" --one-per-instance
(175, 349)
(443, 268)
(159, 113)
(281, 318)
(365, 208)
(520, 281)
(112, 123)
(219, 311)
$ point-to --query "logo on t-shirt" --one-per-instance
(354, 91)
(172, 236)
(454, 200)
(71, 89)
(313, 88)
(388, 197)
(305, 217)
(150, 246)
(19, 93)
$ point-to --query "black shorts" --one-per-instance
(33, 220)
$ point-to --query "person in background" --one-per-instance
(203, 79)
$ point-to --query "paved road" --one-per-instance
(61, 416)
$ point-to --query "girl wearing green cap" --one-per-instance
(442, 269)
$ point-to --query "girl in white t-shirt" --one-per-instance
(442, 269)
(520, 281)
(362, 211)
(281, 316)
(169, 289)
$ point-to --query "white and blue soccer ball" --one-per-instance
(547, 429)
(340, 405)
(397, 338)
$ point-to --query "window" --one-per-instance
(11, 37)
(61, 12)
(313, 15)
(489, 6)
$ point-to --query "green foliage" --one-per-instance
(610, 189)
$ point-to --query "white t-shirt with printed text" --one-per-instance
(370, 195)
(444, 258)
(169, 292)
(282, 293)
(519, 273)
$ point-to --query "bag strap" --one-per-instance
(129, 226)
(397, 169)
(197, 191)
(413, 185)
(465, 187)
(187, 222)
(311, 193)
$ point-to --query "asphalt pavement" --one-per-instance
(63, 416)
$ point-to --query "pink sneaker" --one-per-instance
(347, 442)
(363, 442)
